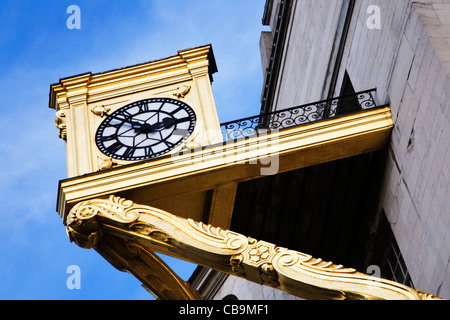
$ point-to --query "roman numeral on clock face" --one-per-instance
(128, 152)
(144, 107)
(114, 148)
(109, 138)
(148, 151)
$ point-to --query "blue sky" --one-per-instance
(36, 50)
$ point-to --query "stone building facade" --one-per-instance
(318, 49)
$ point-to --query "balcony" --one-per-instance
(297, 116)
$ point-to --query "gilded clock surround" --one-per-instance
(82, 102)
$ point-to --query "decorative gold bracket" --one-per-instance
(60, 123)
(182, 91)
(125, 232)
(101, 111)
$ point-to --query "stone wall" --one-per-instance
(405, 61)
(416, 193)
(408, 60)
(245, 290)
(435, 15)
(308, 50)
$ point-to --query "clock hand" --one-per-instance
(166, 123)
(133, 124)
(130, 121)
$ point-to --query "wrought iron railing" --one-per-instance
(296, 116)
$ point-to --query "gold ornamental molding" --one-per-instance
(83, 102)
(126, 234)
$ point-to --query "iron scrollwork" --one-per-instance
(296, 116)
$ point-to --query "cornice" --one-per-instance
(137, 78)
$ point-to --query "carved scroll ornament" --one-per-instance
(100, 111)
(258, 261)
(182, 91)
(60, 123)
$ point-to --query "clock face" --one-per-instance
(145, 129)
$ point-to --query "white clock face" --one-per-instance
(145, 129)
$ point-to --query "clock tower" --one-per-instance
(137, 113)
